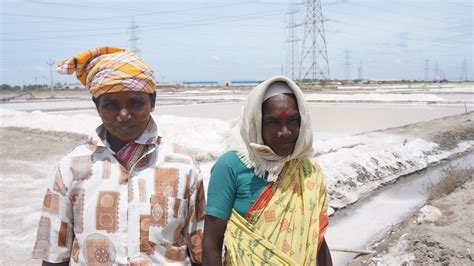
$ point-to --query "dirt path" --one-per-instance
(447, 241)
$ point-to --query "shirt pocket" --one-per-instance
(168, 218)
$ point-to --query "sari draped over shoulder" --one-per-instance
(287, 222)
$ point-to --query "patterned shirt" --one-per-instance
(96, 212)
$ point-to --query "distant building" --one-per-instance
(200, 83)
(245, 82)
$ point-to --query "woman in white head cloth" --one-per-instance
(267, 200)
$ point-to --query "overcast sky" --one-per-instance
(237, 40)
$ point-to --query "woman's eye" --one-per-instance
(137, 104)
(294, 121)
(272, 123)
(110, 106)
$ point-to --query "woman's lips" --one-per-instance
(286, 144)
(125, 127)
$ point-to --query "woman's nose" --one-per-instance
(124, 115)
(285, 131)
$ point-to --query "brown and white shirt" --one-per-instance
(96, 212)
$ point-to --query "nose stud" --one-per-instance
(119, 119)
(279, 133)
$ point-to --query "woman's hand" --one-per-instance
(214, 229)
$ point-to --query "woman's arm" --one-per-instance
(214, 229)
(324, 255)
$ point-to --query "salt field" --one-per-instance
(349, 138)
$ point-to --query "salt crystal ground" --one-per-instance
(354, 164)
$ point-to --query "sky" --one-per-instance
(239, 40)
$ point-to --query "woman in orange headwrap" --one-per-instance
(125, 197)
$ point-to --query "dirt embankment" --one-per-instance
(447, 132)
(448, 239)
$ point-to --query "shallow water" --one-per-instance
(356, 226)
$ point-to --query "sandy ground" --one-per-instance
(28, 157)
(446, 241)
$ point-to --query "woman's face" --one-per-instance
(125, 114)
(281, 123)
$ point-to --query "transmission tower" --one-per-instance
(437, 76)
(50, 63)
(292, 42)
(464, 71)
(427, 70)
(359, 71)
(347, 65)
(314, 62)
(133, 40)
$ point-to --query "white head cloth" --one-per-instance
(250, 146)
(278, 87)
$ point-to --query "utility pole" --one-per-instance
(347, 65)
(314, 62)
(427, 70)
(359, 72)
(50, 63)
(133, 40)
(291, 42)
(436, 73)
(464, 71)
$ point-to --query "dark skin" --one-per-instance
(281, 123)
(279, 114)
(133, 108)
(125, 115)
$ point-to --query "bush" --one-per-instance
(451, 179)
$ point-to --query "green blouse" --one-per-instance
(232, 186)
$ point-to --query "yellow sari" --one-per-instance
(285, 225)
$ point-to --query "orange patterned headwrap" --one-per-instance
(107, 69)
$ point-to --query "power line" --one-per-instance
(133, 40)
(359, 71)
(292, 42)
(146, 12)
(438, 73)
(427, 69)
(314, 62)
(464, 76)
(347, 65)
(50, 63)
(150, 28)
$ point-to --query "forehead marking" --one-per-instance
(283, 114)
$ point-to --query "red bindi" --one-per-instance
(283, 115)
